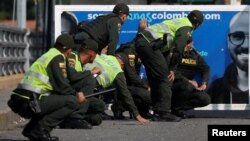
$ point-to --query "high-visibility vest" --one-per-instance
(168, 26)
(76, 62)
(109, 66)
(37, 79)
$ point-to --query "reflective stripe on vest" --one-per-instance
(158, 28)
(104, 74)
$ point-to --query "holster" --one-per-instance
(154, 43)
(34, 105)
(157, 44)
(26, 108)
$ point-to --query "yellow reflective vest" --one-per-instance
(168, 26)
(109, 66)
(36, 78)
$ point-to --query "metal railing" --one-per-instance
(18, 49)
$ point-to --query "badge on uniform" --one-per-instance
(119, 27)
(63, 68)
(72, 62)
(189, 34)
(131, 58)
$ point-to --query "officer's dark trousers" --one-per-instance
(54, 109)
(157, 74)
(185, 97)
(91, 110)
(142, 99)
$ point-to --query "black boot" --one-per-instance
(105, 116)
(165, 116)
(182, 115)
(118, 113)
(37, 133)
(147, 115)
(73, 123)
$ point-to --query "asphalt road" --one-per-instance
(193, 129)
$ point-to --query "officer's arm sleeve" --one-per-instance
(73, 75)
(113, 29)
(124, 94)
(181, 37)
(57, 76)
(204, 69)
(133, 77)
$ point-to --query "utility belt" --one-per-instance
(25, 103)
(154, 43)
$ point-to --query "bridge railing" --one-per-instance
(18, 49)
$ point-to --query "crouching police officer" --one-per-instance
(91, 113)
(187, 94)
(44, 94)
(137, 87)
(111, 68)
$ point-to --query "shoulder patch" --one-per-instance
(119, 26)
(63, 68)
(189, 34)
(72, 62)
(131, 58)
(62, 65)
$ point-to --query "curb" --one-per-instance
(8, 119)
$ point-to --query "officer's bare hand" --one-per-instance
(141, 119)
(81, 98)
(95, 70)
(171, 76)
(143, 24)
(202, 87)
(194, 83)
(104, 50)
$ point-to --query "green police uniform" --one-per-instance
(185, 96)
(148, 43)
(46, 80)
(104, 29)
(112, 74)
(86, 83)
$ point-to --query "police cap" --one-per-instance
(90, 45)
(195, 16)
(65, 41)
(122, 56)
(121, 8)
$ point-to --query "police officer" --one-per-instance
(86, 54)
(44, 94)
(187, 93)
(112, 74)
(137, 87)
(151, 43)
(105, 29)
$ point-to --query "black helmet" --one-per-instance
(65, 41)
(121, 8)
(195, 16)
